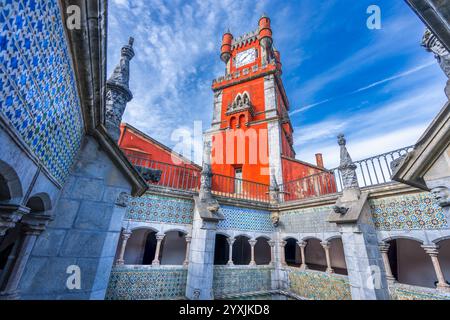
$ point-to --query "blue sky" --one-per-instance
(379, 87)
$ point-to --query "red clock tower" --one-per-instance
(251, 131)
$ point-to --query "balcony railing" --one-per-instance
(239, 189)
(370, 172)
(172, 176)
(375, 170)
(316, 185)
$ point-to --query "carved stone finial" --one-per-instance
(118, 93)
(274, 189)
(206, 175)
(347, 167)
(432, 44)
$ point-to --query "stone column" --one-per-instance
(230, 251)
(159, 239)
(272, 254)
(252, 245)
(125, 236)
(302, 245)
(384, 249)
(34, 225)
(188, 247)
(326, 247)
(433, 252)
(283, 253)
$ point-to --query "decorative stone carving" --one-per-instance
(274, 189)
(340, 210)
(347, 167)
(241, 103)
(275, 217)
(432, 44)
(151, 175)
(123, 199)
(196, 295)
(205, 194)
(118, 93)
(442, 195)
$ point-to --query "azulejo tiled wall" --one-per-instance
(401, 292)
(155, 208)
(307, 220)
(237, 218)
(319, 285)
(240, 280)
(146, 283)
(38, 96)
(409, 212)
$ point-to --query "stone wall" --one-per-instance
(147, 283)
(316, 285)
(408, 212)
(84, 232)
(241, 280)
(39, 99)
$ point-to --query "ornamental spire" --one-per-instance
(118, 93)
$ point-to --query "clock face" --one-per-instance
(245, 57)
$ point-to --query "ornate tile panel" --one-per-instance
(156, 208)
(146, 284)
(318, 285)
(39, 97)
(308, 220)
(400, 292)
(411, 212)
(245, 219)
(238, 280)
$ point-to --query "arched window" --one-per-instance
(315, 255)
(233, 123)
(241, 251)
(410, 264)
(221, 250)
(10, 185)
(337, 256)
(262, 251)
(173, 248)
(149, 248)
(291, 252)
(444, 258)
(141, 247)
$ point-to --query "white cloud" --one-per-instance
(389, 126)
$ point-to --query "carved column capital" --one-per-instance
(252, 242)
(431, 250)
(231, 240)
(301, 244)
(10, 214)
(325, 245)
(160, 237)
(384, 247)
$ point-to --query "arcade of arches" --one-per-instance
(406, 261)
(315, 255)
